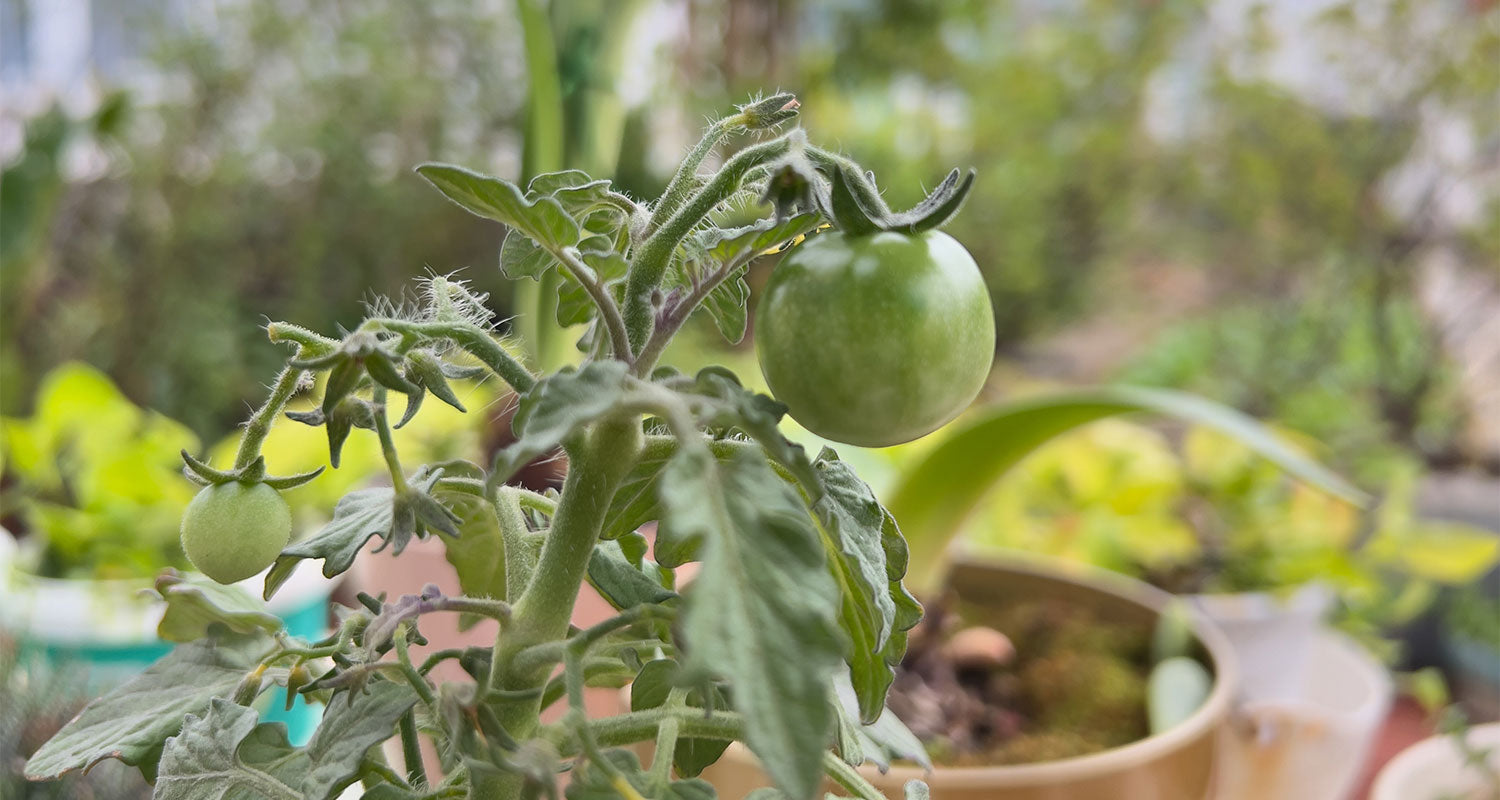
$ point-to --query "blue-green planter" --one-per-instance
(106, 630)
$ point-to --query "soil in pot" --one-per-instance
(1034, 681)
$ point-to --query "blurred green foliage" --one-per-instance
(270, 178)
(1315, 367)
(94, 483)
(1044, 101)
(1203, 513)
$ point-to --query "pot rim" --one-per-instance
(1214, 711)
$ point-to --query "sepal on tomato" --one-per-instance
(855, 207)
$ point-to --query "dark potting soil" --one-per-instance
(1034, 682)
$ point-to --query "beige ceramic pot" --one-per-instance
(1179, 764)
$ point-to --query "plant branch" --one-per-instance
(476, 341)
(668, 324)
(388, 444)
(666, 737)
(849, 778)
(264, 417)
(608, 310)
(411, 750)
(650, 262)
(641, 726)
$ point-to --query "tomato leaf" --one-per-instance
(650, 689)
(347, 731)
(226, 755)
(132, 722)
(555, 407)
(761, 611)
(194, 604)
(624, 581)
(360, 516)
(866, 556)
(542, 218)
(478, 552)
(726, 305)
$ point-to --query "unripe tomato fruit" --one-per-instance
(231, 531)
(875, 340)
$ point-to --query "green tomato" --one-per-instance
(875, 340)
(231, 531)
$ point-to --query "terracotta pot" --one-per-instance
(1178, 764)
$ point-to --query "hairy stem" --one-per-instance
(650, 262)
(597, 463)
(666, 737)
(411, 750)
(608, 311)
(388, 444)
(264, 417)
(849, 778)
(642, 726)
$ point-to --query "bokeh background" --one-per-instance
(1291, 207)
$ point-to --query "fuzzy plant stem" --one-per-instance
(650, 263)
(260, 423)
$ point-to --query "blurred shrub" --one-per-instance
(1205, 514)
(1044, 100)
(1315, 366)
(93, 482)
(265, 170)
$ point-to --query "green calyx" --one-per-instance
(855, 206)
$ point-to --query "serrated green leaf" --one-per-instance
(851, 522)
(226, 755)
(478, 553)
(358, 517)
(195, 604)
(547, 183)
(558, 405)
(635, 502)
(726, 305)
(755, 239)
(520, 257)
(880, 742)
(132, 722)
(347, 731)
(621, 582)
(543, 219)
(650, 689)
(761, 611)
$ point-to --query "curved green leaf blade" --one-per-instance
(542, 219)
(936, 497)
(761, 611)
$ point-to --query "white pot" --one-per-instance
(1272, 635)
(63, 612)
(1434, 768)
(1313, 738)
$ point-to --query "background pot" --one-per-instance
(1178, 764)
(107, 629)
(1434, 768)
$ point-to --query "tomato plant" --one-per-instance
(732, 656)
(877, 339)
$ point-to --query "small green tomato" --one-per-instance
(231, 531)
